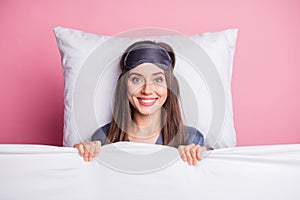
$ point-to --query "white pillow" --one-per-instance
(203, 68)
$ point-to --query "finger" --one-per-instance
(182, 153)
(193, 152)
(188, 157)
(98, 146)
(92, 150)
(194, 162)
(198, 152)
(86, 151)
(188, 154)
(80, 148)
(86, 156)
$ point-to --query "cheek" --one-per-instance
(162, 91)
(131, 89)
(130, 96)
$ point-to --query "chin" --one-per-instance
(148, 111)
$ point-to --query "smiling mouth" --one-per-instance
(147, 102)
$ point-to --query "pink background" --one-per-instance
(266, 73)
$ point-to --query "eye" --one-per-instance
(158, 80)
(136, 79)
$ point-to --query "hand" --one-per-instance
(191, 153)
(88, 149)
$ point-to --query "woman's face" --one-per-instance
(147, 88)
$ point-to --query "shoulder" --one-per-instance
(193, 135)
(101, 133)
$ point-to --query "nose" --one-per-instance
(147, 88)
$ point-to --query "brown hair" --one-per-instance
(172, 130)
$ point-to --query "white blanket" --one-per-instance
(127, 170)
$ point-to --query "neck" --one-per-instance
(146, 126)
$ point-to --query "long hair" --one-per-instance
(172, 129)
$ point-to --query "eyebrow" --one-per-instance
(154, 74)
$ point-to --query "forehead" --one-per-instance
(146, 69)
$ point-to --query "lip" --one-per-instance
(147, 101)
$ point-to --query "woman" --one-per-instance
(146, 107)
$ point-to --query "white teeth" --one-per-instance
(148, 100)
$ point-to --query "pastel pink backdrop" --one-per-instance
(266, 74)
